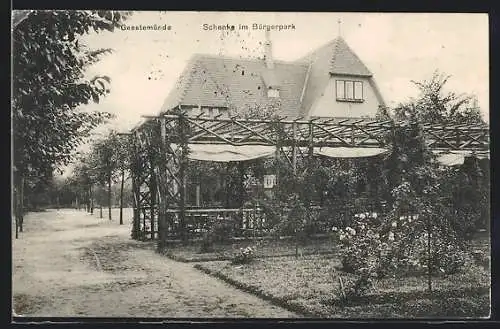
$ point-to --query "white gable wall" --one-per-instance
(327, 105)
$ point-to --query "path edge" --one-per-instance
(277, 301)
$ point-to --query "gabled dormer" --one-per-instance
(339, 84)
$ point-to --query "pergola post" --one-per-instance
(162, 205)
(134, 168)
(294, 148)
(143, 175)
(153, 195)
(277, 194)
(182, 177)
(149, 201)
(310, 157)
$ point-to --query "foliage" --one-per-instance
(244, 256)
(434, 105)
(220, 232)
(420, 234)
(49, 87)
(352, 289)
(466, 192)
(110, 155)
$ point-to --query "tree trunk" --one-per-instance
(16, 209)
(91, 200)
(429, 257)
(100, 210)
(21, 204)
(87, 204)
(109, 195)
(121, 196)
(17, 227)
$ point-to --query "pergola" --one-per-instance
(162, 144)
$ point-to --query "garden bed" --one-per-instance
(266, 248)
(311, 286)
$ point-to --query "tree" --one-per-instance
(49, 87)
(104, 152)
(434, 105)
(122, 155)
(417, 184)
(84, 176)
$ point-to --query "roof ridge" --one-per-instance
(312, 52)
(189, 79)
(181, 84)
(335, 51)
(214, 56)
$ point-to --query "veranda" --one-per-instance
(167, 146)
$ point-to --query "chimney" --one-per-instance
(268, 49)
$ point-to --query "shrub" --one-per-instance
(244, 256)
(447, 255)
(351, 289)
(398, 247)
(221, 232)
(207, 244)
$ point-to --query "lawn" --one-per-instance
(266, 248)
(310, 285)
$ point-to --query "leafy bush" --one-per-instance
(244, 256)
(207, 244)
(447, 256)
(354, 288)
(361, 245)
(399, 247)
(220, 233)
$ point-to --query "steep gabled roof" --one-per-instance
(345, 61)
(242, 84)
(342, 59)
(239, 84)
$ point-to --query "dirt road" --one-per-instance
(70, 263)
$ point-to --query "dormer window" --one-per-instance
(273, 93)
(349, 91)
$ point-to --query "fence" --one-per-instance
(258, 221)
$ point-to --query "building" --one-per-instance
(331, 81)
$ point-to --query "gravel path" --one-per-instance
(70, 263)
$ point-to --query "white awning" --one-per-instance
(457, 158)
(350, 152)
(228, 153)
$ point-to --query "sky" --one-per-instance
(396, 47)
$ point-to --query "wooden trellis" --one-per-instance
(160, 153)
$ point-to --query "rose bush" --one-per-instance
(372, 247)
(244, 256)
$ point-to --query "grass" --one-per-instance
(266, 248)
(310, 286)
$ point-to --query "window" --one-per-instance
(340, 89)
(349, 91)
(358, 90)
